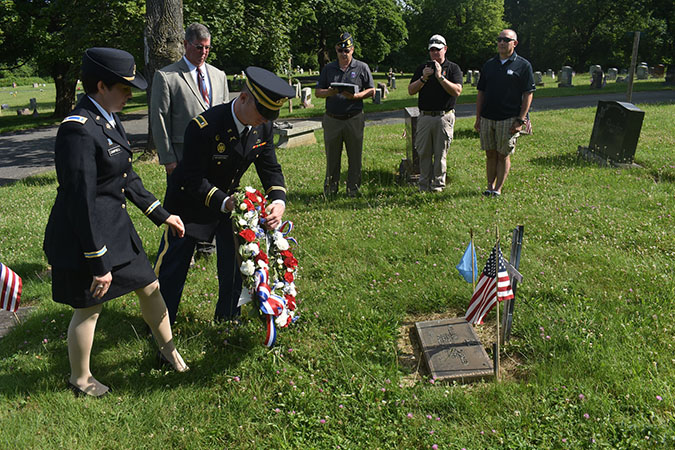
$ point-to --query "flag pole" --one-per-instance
(498, 305)
(473, 261)
(16, 317)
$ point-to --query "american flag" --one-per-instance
(10, 289)
(485, 296)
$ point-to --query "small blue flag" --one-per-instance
(464, 266)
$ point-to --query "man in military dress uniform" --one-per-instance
(220, 145)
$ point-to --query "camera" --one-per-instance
(431, 64)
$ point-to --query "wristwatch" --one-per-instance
(441, 78)
(520, 121)
(423, 80)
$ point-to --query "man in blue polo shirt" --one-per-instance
(344, 119)
(505, 91)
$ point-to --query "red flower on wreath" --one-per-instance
(290, 302)
(247, 234)
(290, 262)
(249, 205)
(253, 196)
(288, 276)
(262, 257)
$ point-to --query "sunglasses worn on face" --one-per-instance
(504, 39)
(201, 47)
(344, 50)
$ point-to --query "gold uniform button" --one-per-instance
(122, 190)
(129, 159)
(124, 175)
(124, 206)
(219, 163)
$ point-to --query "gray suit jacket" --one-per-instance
(175, 101)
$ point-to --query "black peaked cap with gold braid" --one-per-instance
(270, 91)
(345, 40)
(112, 65)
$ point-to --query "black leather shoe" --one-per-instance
(80, 393)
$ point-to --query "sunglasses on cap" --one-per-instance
(436, 41)
(504, 39)
(344, 50)
(201, 47)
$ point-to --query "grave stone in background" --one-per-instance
(659, 71)
(612, 73)
(467, 81)
(566, 76)
(35, 85)
(377, 98)
(616, 131)
(4, 106)
(594, 68)
(538, 79)
(33, 103)
(670, 74)
(549, 73)
(475, 77)
(393, 82)
(298, 89)
(642, 72)
(306, 97)
(598, 79)
(383, 86)
(409, 169)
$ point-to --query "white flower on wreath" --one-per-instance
(289, 288)
(280, 241)
(252, 248)
(243, 206)
(242, 222)
(262, 264)
(247, 268)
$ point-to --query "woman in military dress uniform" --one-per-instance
(90, 241)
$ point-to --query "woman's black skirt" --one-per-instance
(71, 287)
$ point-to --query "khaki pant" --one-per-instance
(433, 138)
(335, 132)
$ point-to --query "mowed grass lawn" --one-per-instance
(591, 363)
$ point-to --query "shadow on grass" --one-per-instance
(46, 368)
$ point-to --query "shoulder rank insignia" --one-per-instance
(217, 137)
(200, 121)
(221, 148)
(78, 119)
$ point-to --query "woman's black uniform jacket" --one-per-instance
(89, 228)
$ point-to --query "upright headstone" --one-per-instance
(659, 70)
(616, 131)
(33, 103)
(409, 170)
(306, 97)
(549, 73)
(670, 74)
(594, 68)
(566, 76)
(642, 72)
(393, 82)
(612, 73)
(377, 98)
(598, 79)
(298, 89)
(467, 81)
(538, 79)
(475, 78)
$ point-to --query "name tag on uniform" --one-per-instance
(113, 151)
(220, 157)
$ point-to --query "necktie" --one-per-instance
(202, 86)
(244, 135)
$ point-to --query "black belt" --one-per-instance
(436, 113)
(344, 116)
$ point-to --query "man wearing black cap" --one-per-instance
(344, 119)
(439, 83)
(220, 145)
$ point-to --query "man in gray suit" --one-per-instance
(183, 90)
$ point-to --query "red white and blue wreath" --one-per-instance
(268, 267)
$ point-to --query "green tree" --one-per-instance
(469, 28)
(377, 26)
(55, 33)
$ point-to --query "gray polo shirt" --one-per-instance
(357, 73)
